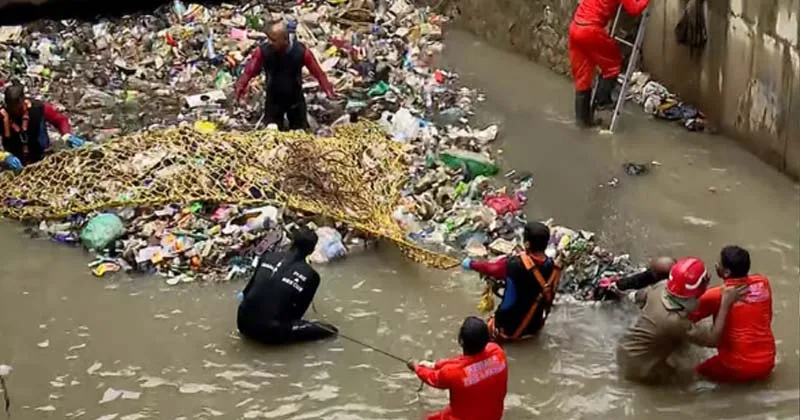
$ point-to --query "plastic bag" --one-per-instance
(329, 246)
(405, 127)
(101, 231)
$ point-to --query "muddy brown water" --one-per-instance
(70, 337)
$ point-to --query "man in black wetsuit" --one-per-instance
(279, 293)
(611, 288)
(282, 59)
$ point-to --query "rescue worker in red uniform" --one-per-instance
(477, 380)
(530, 280)
(644, 352)
(591, 46)
(23, 131)
(746, 347)
(282, 60)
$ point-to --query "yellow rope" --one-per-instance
(354, 176)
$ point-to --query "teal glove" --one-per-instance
(75, 142)
(13, 162)
(465, 263)
(240, 296)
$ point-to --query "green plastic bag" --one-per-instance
(101, 231)
(379, 89)
(474, 163)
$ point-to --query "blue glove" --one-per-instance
(240, 296)
(13, 162)
(465, 264)
(75, 142)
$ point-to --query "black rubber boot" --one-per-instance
(584, 115)
(602, 97)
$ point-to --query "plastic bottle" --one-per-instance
(178, 8)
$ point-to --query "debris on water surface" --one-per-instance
(634, 169)
(162, 70)
(112, 394)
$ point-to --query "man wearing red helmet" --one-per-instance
(664, 325)
(746, 348)
(591, 46)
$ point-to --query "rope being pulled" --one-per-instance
(355, 177)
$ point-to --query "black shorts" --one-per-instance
(294, 111)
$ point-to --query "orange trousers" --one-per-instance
(590, 46)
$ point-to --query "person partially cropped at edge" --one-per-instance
(643, 353)
(279, 293)
(477, 379)
(282, 60)
(746, 348)
(23, 131)
(591, 46)
(530, 281)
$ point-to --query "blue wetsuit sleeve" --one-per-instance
(510, 295)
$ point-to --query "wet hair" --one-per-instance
(537, 235)
(304, 240)
(473, 335)
(736, 259)
(14, 94)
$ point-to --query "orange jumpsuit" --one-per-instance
(477, 384)
(746, 350)
(590, 45)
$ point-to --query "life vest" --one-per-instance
(284, 71)
(22, 139)
(546, 298)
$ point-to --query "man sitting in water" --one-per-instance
(746, 348)
(664, 325)
(477, 380)
(531, 279)
(279, 293)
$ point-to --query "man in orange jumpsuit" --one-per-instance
(477, 380)
(746, 347)
(591, 46)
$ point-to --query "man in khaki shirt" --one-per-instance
(664, 324)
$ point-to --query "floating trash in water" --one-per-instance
(112, 394)
(46, 408)
(197, 388)
(696, 221)
(44, 344)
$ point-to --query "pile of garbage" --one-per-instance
(658, 101)
(177, 66)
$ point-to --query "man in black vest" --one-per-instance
(22, 128)
(282, 60)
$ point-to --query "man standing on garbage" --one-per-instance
(279, 293)
(477, 380)
(282, 60)
(746, 348)
(24, 133)
(644, 351)
(591, 46)
(530, 282)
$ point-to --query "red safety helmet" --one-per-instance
(688, 278)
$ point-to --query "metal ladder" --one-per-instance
(636, 47)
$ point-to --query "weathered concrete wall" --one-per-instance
(747, 79)
(535, 28)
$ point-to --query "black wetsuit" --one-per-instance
(284, 77)
(275, 299)
(636, 281)
(521, 291)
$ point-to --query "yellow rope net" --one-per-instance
(354, 176)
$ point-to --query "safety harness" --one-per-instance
(548, 294)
